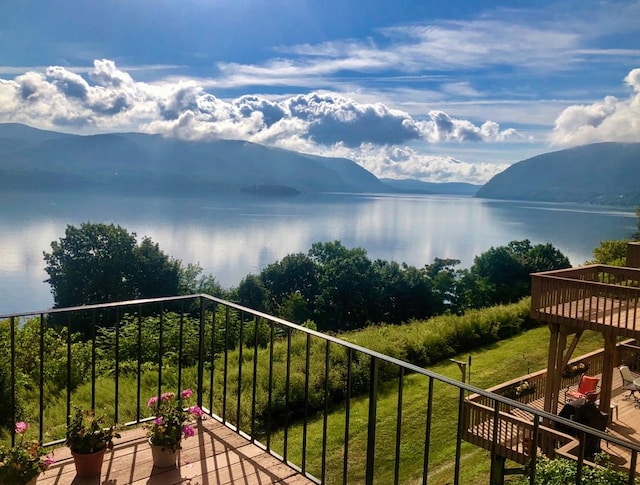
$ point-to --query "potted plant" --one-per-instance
(171, 422)
(88, 440)
(519, 390)
(21, 464)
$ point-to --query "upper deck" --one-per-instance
(596, 297)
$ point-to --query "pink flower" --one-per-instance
(188, 431)
(186, 394)
(152, 402)
(21, 427)
(196, 411)
(49, 460)
(167, 396)
(159, 421)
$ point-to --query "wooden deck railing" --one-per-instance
(515, 427)
(588, 297)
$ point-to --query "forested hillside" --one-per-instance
(601, 173)
(139, 163)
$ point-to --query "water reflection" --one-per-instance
(233, 237)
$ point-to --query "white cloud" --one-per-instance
(610, 119)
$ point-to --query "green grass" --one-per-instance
(491, 365)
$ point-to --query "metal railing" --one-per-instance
(299, 394)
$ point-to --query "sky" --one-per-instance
(437, 91)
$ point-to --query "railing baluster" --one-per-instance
(533, 450)
(396, 470)
(41, 381)
(270, 390)
(69, 369)
(306, 404)
(93, 359)
(632, 467)
(200, 354)
(427, 432)
(456, 478)
(160, 350)
(213, 356)
(12, 344)
(255, 379)
(139, 366)
(325, 411)
(117, 369)
(581, 451)
(226, 365)
(372, 418)
(286, 396)
(240, 346)
(347, 416)
(180, 342)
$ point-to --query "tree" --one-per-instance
(346, 293)
(501, 275)
(613, 253)
(99, 263)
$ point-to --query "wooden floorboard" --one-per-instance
(215, 455)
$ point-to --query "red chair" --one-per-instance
(587, 389)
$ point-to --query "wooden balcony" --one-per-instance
(515, 428)
(215, 455)
(597, 297)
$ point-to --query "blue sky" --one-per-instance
(433, 90)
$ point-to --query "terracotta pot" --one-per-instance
(30, 482)
(88, 464)
(163, 457)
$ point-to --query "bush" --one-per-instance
(562, 471)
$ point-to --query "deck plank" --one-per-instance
(215, 455)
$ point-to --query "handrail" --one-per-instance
(220, 361)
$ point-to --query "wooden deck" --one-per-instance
(215, 455)
(516, 427)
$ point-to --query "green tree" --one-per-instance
(251, 292)
(98, 263)
(501, 275)
(295, 273)
(613, 253)
(346, 295)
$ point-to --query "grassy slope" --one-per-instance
(490, 365)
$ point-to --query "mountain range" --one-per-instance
(33, 159)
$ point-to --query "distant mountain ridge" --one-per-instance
(600, 173)
(420, 187)
(140, 163)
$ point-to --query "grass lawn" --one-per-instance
(491, 365)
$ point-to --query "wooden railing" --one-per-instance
(515, 426)
(588, 297)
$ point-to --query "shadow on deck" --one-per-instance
(215, 455)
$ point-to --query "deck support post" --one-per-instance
(609, 360)
(557, 344)
(497, 469)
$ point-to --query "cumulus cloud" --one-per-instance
(610, 119)
(106, 98)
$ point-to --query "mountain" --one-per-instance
(420, 187)
(601, 173)
(140, 163)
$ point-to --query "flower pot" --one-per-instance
(163, 457)
(30, 482)
(88, 464)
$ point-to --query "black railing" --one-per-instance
(293, 391)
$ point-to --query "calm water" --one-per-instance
(231, 238)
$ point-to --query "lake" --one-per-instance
(233, 237)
